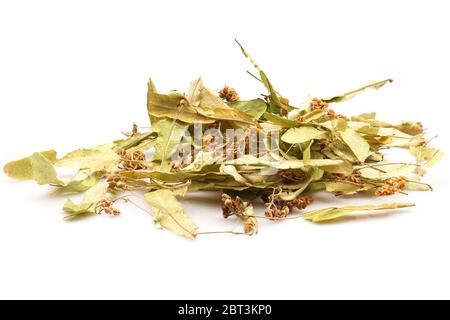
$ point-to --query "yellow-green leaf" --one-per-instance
(227, 113)
(169, 214)
(38, 167)
(356, 143)
(255, 108)
(426, 156)
(81, 182)
(173, 105)
(43, 170)
(327, 214)
(22, 169)
(279, 120)
(88, 203)
(349, 95)
(94, 159)
(303, 134)
(232, 171)
(275, 99)
(170, 134)
(342, 188)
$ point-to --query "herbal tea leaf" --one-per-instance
(274, 97)
(43, 170)
(22, 169)
(173, 105)
(138, 141)
(193, 94)
(342, 188)
(170, 134)
(88, 203)
(81, 182)
(303, 134)
(256, 108)
(349, 95)
(169, 214)
(334, 213)
(230, 114)
(232, 171)
(426, 156)
(201, 160)
(281, 121)
(93, 159)
(357, 144)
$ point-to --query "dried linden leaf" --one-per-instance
(303, 134)
(94, 159)
(174, 106)
(169, 214)
(43, 170)
(81, 182)
(87, 204)
(426, 156)
(334, 213)
(281, 121)
(23, 170)
(349, 95)
(344, 188)
(256, 108)
(357, 144)
(170, 134)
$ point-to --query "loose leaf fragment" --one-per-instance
(169, 214)
(279, 120)
(231, 114)
(94, 159)
(170, 134)
(327, 214)
(88, 203)
(349, 95)
(426, 156)
(138, 141)
(23, 170)
(43, 170)
(37, 167)
(232, 171)
(255, 108)
(357, 144)
(174, 106)
(303, 134)
(81, 182)
(342, 188)
(193, 94)
(275, 100)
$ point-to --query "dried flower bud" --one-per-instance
(302, 202)
(106, 206)
(391, 186)
(132, 161)
(228, 94)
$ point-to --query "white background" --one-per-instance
(74, 73)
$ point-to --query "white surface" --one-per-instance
(74, 74)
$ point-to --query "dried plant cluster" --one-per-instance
(298, 151)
